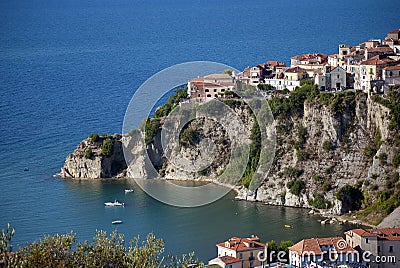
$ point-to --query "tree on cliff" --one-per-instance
(107, 147)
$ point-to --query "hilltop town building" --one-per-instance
(210, 86)
(322, 252)
(379, 242)
(244, 249)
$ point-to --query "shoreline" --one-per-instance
(329, 218)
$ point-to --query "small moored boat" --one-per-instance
(116, 203)
(128, 191)
(288, 226)
(116, 222)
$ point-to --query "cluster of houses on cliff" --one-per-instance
(360, 248)
(372, 66)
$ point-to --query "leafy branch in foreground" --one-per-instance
(104, 251)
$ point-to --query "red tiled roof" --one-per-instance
(295, 70)
(217, 76)
(229, 260)
(377, 60)
(309, 56)
(388, 40)
(241, 244)
(395, 31)
(383, 234)
(276, 63)
(314, 245)
(380, 49)
(396, 67)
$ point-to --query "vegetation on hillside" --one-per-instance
(107, 147)
(254, 154)
(104, 251)
(273, 250)
(286, 110)
(173, 101)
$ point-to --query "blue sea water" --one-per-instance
(69, 68)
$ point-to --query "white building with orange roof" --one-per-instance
(371, 69)
(391, 75)
(226, 262)
(310, 61)
(333, 60)
(383, 244)
(322, 252)
(210, 86)
(247, 250)
(379, 50)
(395, 35)
(293, 76)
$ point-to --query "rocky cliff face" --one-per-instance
(87, 161)
(323, 168)
(325, 148)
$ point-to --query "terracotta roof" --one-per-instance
(389, 40)
(242, 244)
(229, 260)
(207, 84)
(276, 63)
(314, 245)
(395, 31)
(295, 70)
(396, 67)
(382, 234)
(218, 76)
(377, 60)
(380, 49)
(333, 56)
(309, 56)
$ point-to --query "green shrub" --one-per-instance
(318, 178)
(396, 160)
(327, 146)
(106, 250)
(88, 153)
(328, 170)
(320, 202)
(151, 129)
(350, 196)
(369, 151)
(228, 71)
(254, 154)
(107, 147)
(296, 186)
(327, 186)
(302, 155)
(265, 87)
(173, 101)
(94, 137)
(292, 172)
(377, 138)
(395, 177)
(382, 157)
(187, 137)
(374, 187)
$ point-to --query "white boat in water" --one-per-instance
(128, 191)
(116, 222)
(116, 203)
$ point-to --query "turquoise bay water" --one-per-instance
(69, 68)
